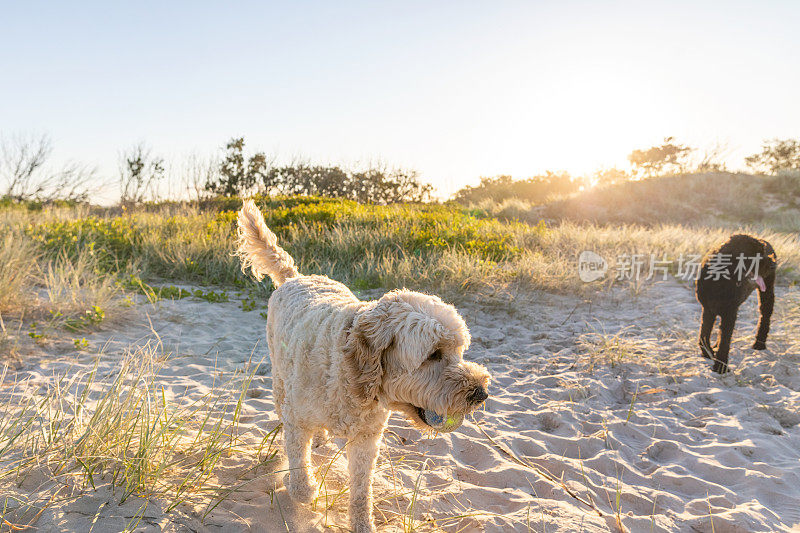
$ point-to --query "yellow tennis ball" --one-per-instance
(442, 423)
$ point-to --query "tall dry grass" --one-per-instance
(18, 260)
(72, 286)
(118, 429)
(443, 248)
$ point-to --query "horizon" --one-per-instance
(454, 93)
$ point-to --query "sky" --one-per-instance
(456, 90)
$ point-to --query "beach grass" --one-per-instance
(89, 429)
(445, 248)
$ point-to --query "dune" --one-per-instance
(602, 416)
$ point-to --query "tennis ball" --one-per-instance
(442, 423)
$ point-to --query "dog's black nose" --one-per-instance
(478, 395)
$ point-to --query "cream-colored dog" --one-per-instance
(342, 365)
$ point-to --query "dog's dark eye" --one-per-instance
(435, 356)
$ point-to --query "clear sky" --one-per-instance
(456, 90)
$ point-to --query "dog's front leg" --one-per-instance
(705, 333)
(362, 452)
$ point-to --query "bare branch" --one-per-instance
(139, 174)
(21, 159)
(196, 172)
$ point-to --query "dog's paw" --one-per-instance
(301, 490)
(364, 527)
(758, 345)
(720, 368)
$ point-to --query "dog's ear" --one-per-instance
(367, 340)
(416, 338)
(769, 251)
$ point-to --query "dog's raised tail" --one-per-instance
(258, 248)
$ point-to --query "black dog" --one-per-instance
(725, 283)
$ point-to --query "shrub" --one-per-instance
(373, 185)
(656, 160)
(238, 175)
(535, 189)
(242, 176)
(776, 155)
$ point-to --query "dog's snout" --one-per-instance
(478, 395)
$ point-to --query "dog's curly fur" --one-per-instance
(722, 297)
(342, 365)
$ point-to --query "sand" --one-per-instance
(599, 405)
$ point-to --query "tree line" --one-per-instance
(241, 175)
(26, 174)
(670, 157)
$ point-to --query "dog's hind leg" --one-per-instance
(278, 395)
(320, 437)
(362, 453)
(300, 484)
(705, 333)
(727, 323)
(766, 302)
